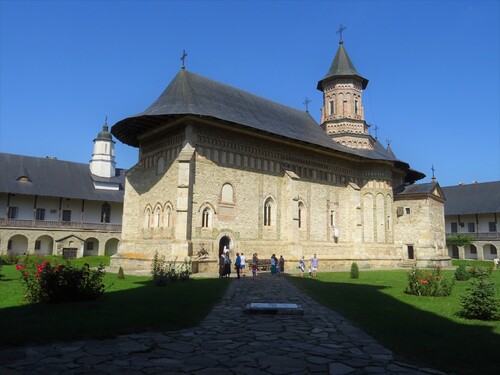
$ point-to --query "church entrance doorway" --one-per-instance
(411, 254)
(224, 242)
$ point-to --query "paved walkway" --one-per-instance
(227, 341)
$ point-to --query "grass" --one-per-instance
(133, 304)
(421, 330)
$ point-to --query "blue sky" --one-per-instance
(433, 69)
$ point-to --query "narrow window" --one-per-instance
(454, 227)
(147, 218)
(492, 226)
(9, 245)
(471, 227)
(205, 217)
(332, 107)
(168, 216)
(267, 214)
(38, 245)
(105, 213)
(300, 213)
(356, 107)
(407, 210)
(157, 217)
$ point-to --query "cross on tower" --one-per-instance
(183, 58)
(433, 170)
(307, 101)
(376, 128)
(388, 142)
(339, 31)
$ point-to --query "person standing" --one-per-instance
(243, 264)
(282, 264)
(302, 266)
(255, 265)
(314, 265)
(227, 265)
(273, 264)
(237, 265)
(222, 262)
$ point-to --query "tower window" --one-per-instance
(205, 218)
(356, 107)
(332, 107)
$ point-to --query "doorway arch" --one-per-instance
(225, 241)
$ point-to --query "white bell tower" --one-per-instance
(103, 158)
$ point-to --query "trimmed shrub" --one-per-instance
(428, 283)
(354, 271)
(461, 273)
(480, 303)
(479, 271)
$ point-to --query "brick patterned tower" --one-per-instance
(343, 113)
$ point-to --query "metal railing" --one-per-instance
(478, 236)
(47, 224)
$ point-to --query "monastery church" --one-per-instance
(220, 167)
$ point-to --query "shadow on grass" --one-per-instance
(129, 306)
(414, 335)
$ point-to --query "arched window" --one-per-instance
(206, 218)
(227, 194)
(157, 217)
(147, 218)
(167, 218)
(269, 212)
(301, 215)
(105, 213)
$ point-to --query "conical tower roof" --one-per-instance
(342, 67)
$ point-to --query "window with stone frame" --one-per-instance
(269, 212)
(206, 218)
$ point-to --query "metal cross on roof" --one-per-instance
(339, 31)
(307, 101)
(376, 128)
(183, 58)
(388, 142)
(433, 170)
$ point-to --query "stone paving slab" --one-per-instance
(227, 341)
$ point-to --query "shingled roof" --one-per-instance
(54, 178)
(192, 94)
(342, 67)
(477, 198)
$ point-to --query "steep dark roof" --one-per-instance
(55, 178)
(192, 94)
(342, 67)
(468, 199)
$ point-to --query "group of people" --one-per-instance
(313, 266)
(277, 265)
(239, 264)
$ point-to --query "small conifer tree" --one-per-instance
(480, 303)
(354, 271)
(120, 275)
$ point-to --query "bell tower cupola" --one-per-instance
(103, 158)
(343, 115)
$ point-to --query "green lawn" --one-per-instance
(422, 330)
(130, 305)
